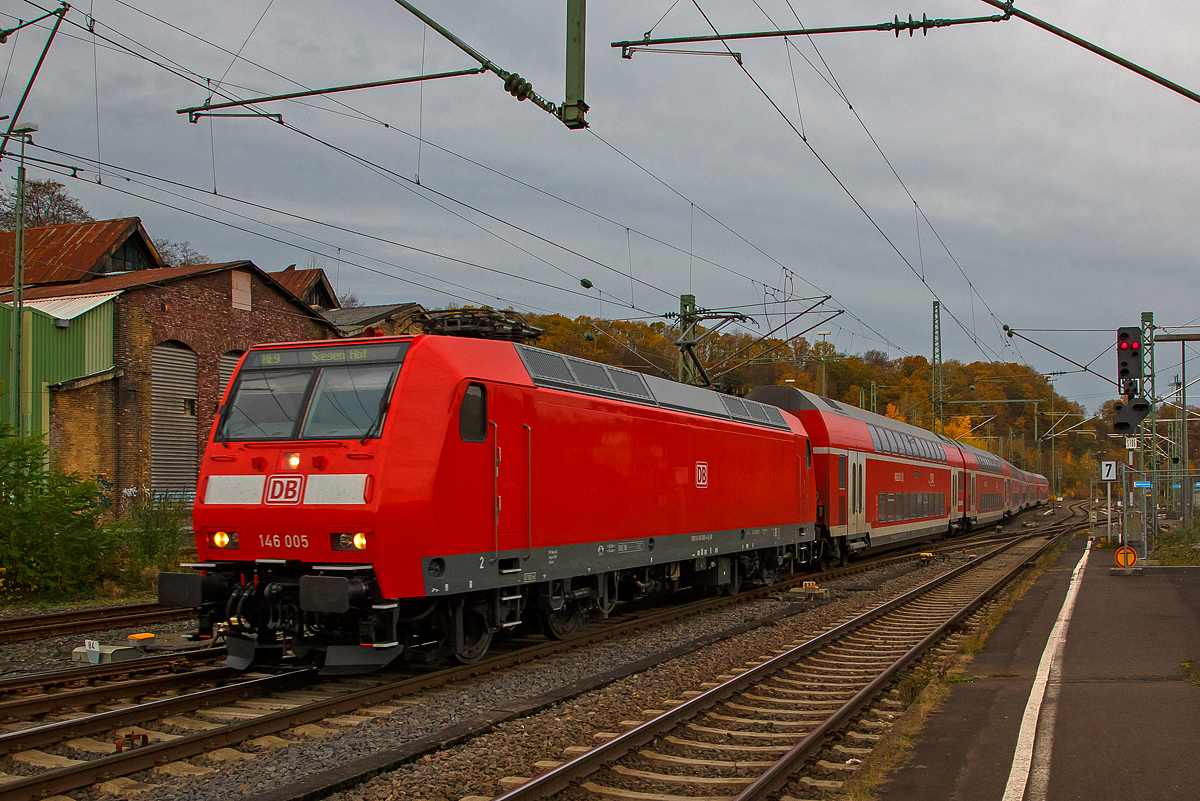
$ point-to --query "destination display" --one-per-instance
(305, 357)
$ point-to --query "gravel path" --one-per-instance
(512, 748)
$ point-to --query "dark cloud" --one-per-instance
(1049, 174)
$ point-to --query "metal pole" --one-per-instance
(1186, 483)
(19, 294)
(1052, 441)
(1108, 506)
(1035, 437)
(573, 107)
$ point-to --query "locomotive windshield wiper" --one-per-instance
(383, 404)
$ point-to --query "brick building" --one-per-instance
(177, 334)
(125, 360)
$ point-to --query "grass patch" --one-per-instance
(1179, 547)
(1191, 670)
(895, 744)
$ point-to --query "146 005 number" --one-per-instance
(286, 540)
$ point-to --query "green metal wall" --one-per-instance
(52, 355)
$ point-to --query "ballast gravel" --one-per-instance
(40, 656)
(512, 748)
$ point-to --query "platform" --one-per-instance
(1119, 718)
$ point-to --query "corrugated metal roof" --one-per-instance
(69, 253)
(71, 307)
(161, 275)
(119, 281)
(297, 281)
(301, 282)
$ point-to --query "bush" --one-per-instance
(1178, 546)
(50, 543)
(150, 537)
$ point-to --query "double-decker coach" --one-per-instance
(881, 481)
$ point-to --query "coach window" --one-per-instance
(472, 414)
(808, 453)
(841, 472)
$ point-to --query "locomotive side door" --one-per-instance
(511, 435)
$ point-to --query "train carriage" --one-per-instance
(370, 499)
(880, 481)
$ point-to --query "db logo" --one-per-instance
(701, 474)
(284, 489)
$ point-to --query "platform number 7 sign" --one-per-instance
(1108, 471)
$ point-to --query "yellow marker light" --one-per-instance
(360, 541)
(220, 539)
(292, 460)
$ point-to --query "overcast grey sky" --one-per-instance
(1063, 187)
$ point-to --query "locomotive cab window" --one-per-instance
(312, 393)
(841, 472)
(472, 414)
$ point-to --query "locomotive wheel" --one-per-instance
(476, 638)
(561, 624)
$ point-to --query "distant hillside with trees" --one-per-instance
(989, 404)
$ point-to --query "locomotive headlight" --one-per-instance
(224, 539)
(291, 460)
(350, 542)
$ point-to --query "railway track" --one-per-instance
(135, 725)
(58, 624)
(762, 732)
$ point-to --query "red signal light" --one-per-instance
(1124, 346)
(1135, 345)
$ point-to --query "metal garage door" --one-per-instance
(173, 423)
(225, 367)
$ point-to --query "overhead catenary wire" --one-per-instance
(378, 168)
(970, 333)
(182, 72)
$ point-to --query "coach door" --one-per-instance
(856, 517)
(512, 439)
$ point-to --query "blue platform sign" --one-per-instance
(1142, 484)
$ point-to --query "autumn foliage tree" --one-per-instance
(992, 404)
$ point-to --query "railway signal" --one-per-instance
(1130, 415)
(1129, 354)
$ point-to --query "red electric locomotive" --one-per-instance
(364, 499)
